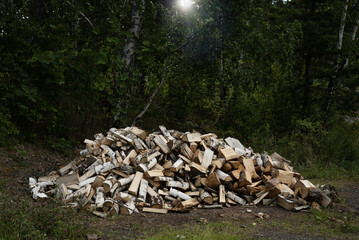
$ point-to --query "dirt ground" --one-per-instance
(20, 163)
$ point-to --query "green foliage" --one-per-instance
(61, 145)
(211, 230)
(255, 70)
(346, 224)
(26, 220)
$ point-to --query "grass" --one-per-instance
(211, 230)
(25, 219)
(324, 224)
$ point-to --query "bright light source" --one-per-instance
(185, 4)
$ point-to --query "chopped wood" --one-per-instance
(227, 167)
(125, 181)
(284, 176)
(171, 171)
(177, 184)
(143, 190)
(213, 180)
(192, 137)
(235, 198)
(68, 179)
(164, 148)
(255, 202)
(222, 194)
(206, 198)
(154, 173)
(207, 158)
(132, 154)
(177, 165)
(249, 166)
(138, 132)
(302, 187)
(189, 203)
(133, 189)
(67, 168)
(228, 154)
(285, 203)
(154, 210)
(175, 193)
(223, 176)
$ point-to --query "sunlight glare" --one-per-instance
(185, 4)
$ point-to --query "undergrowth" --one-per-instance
(25, 219)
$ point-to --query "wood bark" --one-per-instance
(333, 79)
(129, 51)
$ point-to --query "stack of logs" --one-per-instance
(129, 171)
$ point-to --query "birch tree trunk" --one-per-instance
(131, 42)
(355, 29)
(128, 56)
(332, 83)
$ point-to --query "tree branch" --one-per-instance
(154, 93)
(165, 67)
(87, 19)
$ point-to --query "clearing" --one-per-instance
(239, 222)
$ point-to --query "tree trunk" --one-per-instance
(221, 67)
(355, 29)
(131, 42)
(129, 56)
(332, 83)
(307, 86)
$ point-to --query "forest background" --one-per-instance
(278, 75)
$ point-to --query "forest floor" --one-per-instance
(340, 222)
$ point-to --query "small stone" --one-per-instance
(249, 210)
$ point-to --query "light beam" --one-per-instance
(185, 4)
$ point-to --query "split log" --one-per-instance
(302, 187)
(143, 191)
(189, 203)
(207, 198)
(228, 154)
(177, 165)
(223, 176)
(192, 137)
(100, 197)
(175, 193)
(133, 189)
(128, 208)
(207, 158)
(125, 181)
(249, 166)
(222, 194)
(235, 198)
(98, 181)
(154, 173)
(132, 154)
(283, 176)
(177, 184)
(155, 210)
(213, 180)
(64, 170)
(164, 148)
(285, 203)
(139, 132)
(68, 179)
(114, 210)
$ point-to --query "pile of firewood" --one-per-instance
(129, 171)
